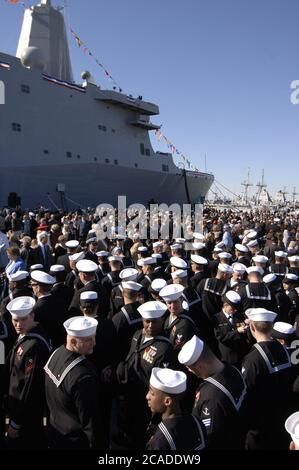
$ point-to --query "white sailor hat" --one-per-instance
(103, 254)
(72, 244)
(198, 259)
(86, 266)
(81, 327)
(191, 351)
(242, 248)
(260, 314)
(157, 244)
(198, 236)
(290, 278)
(280, 254)
(260, 259)
(180, 240)
(217, 250)
(147, 261)
(220, 245)
(34, 267)
(225, 254)
(225, 268)
(179, 273)
(239, 267)
(77, 256)
(128, 274)
(156, 255)
(271, 277)
(293, 259)
(115, 258)
(232, 298)
(18, 276)
(116, 249)
(57, 268)
(171, 292)
(168, 380)
(252, 243)
(32, 214)
(88, 298)
(276, 219)
(158, 284)
(91, 240)
(282, 330)
(292, 427)
(142, 249)
(21, 306)
(178, 262)
(255, 269)
(131, 285)
(42, 278)
(251, 235)
(198, 245)
(175, 246)
(151, 310)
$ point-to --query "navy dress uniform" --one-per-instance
(177, 431)
(116, 296)
(26, 399)
(219, 400)
(72, 391)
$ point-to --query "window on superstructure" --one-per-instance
(95, 159)
(25, 88)
(102, 128)
(147, 152)
(78, 156)
(107, 160)
(115, 162)
(136, 165)
(69, 154)
(113, 131)
(165, 168)
(142, 149)
(16, 127)
(46, 152)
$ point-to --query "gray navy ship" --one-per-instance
(61, 139)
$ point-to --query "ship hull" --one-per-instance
(92, 184)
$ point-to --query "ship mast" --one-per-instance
(246, 185)
(294, 194)
(260, 185)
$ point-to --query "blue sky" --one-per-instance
(220, 71)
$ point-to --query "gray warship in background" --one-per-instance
(63, 141)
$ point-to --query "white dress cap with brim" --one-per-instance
(255, 269)
(260, 259)
(21, 306)
(131, 285)
(142, 249)
(239, 268)
(198, 236)
(232, 297)
(18, 276)
(86, 266)
(292, 427)
(284, 328)
(115, 258)
(260, 314)
(72, 244)
(168, 380)
(252, 243)
(34, 267)
(251, 235)
(77, 256)
(178, 262)
(157, 244)
(271, 277)
(280, 254)
(176, 246)
(128, 274)
(151, 310)
(89, 295)
(171, 292)
(158, 284)
(103, 254)
(81, 327)
(191, 351)
(42, 278)
(57, 268)
(198, 259)
(198, 245)
(224, 255)
(225, 268)
(179, 273)
(241, 248)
